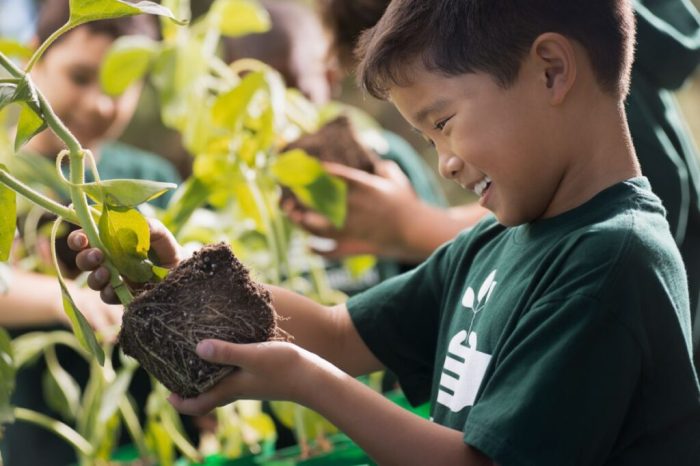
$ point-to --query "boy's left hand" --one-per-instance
(265, 371)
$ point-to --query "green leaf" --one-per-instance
(7, 94)
(238, 17)
(126, 193)
(312, 185)
(126, 236)
(81, 328)
(12, 48)
(115, 393)
(126, 62)
(359, 265)
(160, 272)
(28, 126)
(7, 378)
(83, 11)
(27, 347)
(327, 195)
(8, 219)
(61, 391)
(229, 109)
(191, 195)
(296, 168)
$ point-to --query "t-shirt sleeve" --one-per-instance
(398, 320)
(560, 387)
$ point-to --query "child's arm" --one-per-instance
(35, 300)
(388, 433)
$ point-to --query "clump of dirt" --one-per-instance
(207, 296)
(337, 142)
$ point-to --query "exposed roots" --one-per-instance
(208, 296)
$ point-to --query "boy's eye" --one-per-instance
(80, 79)
(440, 125)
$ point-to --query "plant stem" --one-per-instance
(39, 199)
(9, 65)
(270, 232)
(57, 427)
(47, 43)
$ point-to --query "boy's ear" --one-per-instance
(556, 62)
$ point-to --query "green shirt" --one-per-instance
(564, 341)
(122, 161)
(667, 53)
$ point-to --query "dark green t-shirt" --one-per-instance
(561, 342)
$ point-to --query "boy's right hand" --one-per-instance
(163, 244)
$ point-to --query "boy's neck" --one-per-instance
(601, 155)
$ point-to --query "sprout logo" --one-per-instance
(464, 366)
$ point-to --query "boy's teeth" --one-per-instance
(482, 185)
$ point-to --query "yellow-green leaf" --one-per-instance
(359, 265)
(12, 48)
(8, 219)
(83, 11)
(238, 17)
(230, 107)
(7, 378)
(296, 168)
(126, 62)
(28, 125)
(126, 236)
(327, 195)
(81, 328)
(126, 193)
(191, 195)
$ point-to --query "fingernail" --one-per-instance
(205, 349)
(95, 256)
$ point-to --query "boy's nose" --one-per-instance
(450, 166)
(103, 105)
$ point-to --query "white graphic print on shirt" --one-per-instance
(465, 367)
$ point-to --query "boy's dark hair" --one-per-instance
(54, 13)
(453, 37)
(346, 20)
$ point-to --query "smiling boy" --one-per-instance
(555, 332)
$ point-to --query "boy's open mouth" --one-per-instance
(481, 187)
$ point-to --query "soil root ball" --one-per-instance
(207, 296)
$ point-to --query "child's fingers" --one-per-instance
(108, 295)
(98, 279)
(198, 406)
(219, 352)
(163, 244)
(77, 240)
(392, 171)
(349, 174)
(89, 260)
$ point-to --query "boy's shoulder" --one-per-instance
(120, 160)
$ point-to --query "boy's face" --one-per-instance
(489, 139)
(68, 75)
